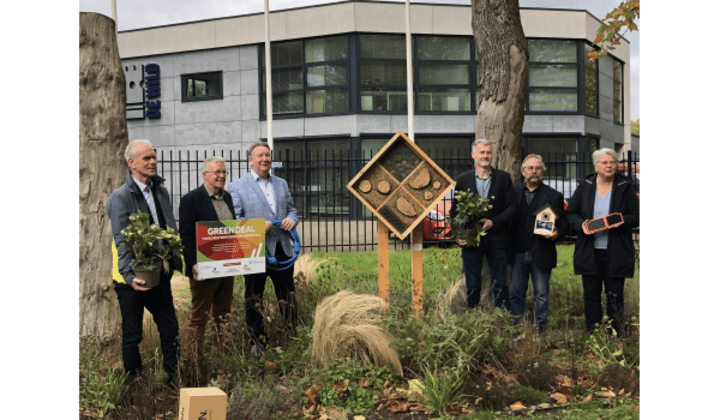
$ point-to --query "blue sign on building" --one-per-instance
(142, 83)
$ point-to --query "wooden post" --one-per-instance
(383, 261)
(417, 269)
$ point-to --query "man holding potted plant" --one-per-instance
(143, 193)
(208, 202)
(486, 183)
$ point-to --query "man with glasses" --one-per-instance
(534, 254)
(206, 203)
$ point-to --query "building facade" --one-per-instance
(339, 82)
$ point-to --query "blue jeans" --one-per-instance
(592, 294)
(523, 267)
(472, 266)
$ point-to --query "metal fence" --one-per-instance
(331, 218)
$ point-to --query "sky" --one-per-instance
(136, 14)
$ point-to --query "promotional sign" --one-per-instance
(230, 248)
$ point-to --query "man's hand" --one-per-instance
(487, 224)
(552, 236)
(287, 224)
(137, 285)
(461, 242)
(195, 273)
(268, 225)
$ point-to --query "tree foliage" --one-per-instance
(608, 35)
(635, 127)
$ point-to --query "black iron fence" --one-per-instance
(331, 218)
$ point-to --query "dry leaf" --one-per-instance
(588, 398)
(559, 397)
(517, 406)
(282, 389)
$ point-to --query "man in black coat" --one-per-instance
(534, 254)
(206, 203)
(495, 185)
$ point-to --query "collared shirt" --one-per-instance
(529, 195)
(218, 202)
(267, 188)
(147, 193)
(483, 184)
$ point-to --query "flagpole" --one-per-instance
(410, 96)
(113, 6)
(268, 77)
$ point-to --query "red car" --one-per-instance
(436, 225)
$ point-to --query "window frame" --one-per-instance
(579, 77)
(183, 86)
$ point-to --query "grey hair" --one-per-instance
(485, 142)
(258, 143)
(206, 162)
(604, 151)
(130, 149)
(538, 157)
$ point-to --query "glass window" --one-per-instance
(444, 74)
(443, 100)
(383, 73)
(326, 49)
(326, 101)
(450, 154)
(553, 75)
(383, 99)
(552, 50)
(552, 100)
(201, 86)
(443, 48)
(327, 75)
(617, 92)
(302, 71)
(591, 84)
(382, 46)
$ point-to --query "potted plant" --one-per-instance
(470, 209)
(151, 247)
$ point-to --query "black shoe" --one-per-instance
(175, 384)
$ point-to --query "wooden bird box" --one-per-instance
(544, 220)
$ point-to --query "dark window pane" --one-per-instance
(286, 103)
(552, 100)
(383, 73)
(382, 46)
(443, 48)
(555, 75)
(444, 74)
(559, 156)
(286, 79)
(326, 101)
(383, 99)
(202, 86)
(326, 49)
(286, 53)
(327, 75)
(552, 51)
(439, 99)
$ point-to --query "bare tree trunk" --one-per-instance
(503, 53)
(103, 138)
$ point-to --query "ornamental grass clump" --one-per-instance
(143, 240)
(348, 324)
(466, 225)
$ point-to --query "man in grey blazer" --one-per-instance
(259, 195)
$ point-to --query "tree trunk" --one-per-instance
(103, 138)
(503, 55)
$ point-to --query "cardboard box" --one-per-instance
(202, 404)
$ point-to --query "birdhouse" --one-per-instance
(544, 220)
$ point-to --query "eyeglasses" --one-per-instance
(218, 173)
(533, 168)
(605, 163)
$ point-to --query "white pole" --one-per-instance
(268, 76)
(113, 6)
(410, 96)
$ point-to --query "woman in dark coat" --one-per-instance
(607, 257)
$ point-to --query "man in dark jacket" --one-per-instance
(208, 202)
(605, 258)
(493, 184)
(534, 254)
(143, 192)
